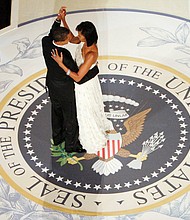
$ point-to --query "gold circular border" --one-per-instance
(162, 66)
(53, 207)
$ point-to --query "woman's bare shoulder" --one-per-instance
(93, 51)
(92, 55)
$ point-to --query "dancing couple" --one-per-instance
(77, 110)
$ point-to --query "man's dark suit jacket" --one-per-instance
(54, 72)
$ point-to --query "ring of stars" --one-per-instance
(155, 174)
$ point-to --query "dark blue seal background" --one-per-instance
(161, 118)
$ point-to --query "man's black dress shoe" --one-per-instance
(80, 150)
(70, 150)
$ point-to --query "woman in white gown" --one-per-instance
(93, 124)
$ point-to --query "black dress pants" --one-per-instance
(64, 124)
(63, 114)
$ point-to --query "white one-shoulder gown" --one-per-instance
(92, 120)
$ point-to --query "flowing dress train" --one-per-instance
(92, 120)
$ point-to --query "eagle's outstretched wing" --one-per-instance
(134, 126)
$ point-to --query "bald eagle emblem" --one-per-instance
(116, 143)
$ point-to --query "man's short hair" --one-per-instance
(60, 34)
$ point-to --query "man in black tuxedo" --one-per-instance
(61, 89)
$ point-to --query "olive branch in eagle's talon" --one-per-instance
(64, 157)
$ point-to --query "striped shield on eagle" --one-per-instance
(114, 144)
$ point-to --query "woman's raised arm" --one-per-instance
(73, 39)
